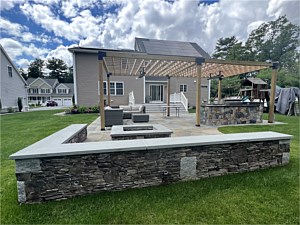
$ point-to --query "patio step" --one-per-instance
(157, 107)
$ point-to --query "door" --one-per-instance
(157, 93)
(67, 102)
(58, 101)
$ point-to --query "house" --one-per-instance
(41, 90)
(145, 89)
(12, 84)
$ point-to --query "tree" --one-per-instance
(276, 41)
(272, 41)
(230, 86)
(69, 75)
(35, 68)
(228, 48)
(58, 69)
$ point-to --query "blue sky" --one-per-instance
(47, 28)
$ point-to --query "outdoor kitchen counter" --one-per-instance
(235, 113)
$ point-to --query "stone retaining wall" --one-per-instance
(217, 115)
(66, 176)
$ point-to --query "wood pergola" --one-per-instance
(131, 63)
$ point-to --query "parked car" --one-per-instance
(51, 103)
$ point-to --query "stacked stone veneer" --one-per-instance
(62, 177)
(217, 115)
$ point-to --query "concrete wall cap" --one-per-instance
(41, 151)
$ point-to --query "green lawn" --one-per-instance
(267, 196)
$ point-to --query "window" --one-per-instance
(119, 88)
(104, 87)
(112, 88)
(9, 70)
(33, 91)
(183, 88)
(45, 91)
(62, 91)
(116, 88)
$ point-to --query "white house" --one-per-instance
(12, 84)
(42, 90)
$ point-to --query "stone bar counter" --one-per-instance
(233, 113)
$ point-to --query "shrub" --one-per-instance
(10, 110)
(20, 103)
(95, 109)
(82, 109)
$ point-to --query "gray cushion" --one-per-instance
(113, 117)
(137, 118)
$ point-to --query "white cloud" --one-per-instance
(20, 32)
(61, 52)
(14, 29)
(12, 47)
(71, 8)
(183, 20)
(15, 49)
(290, 8)
(23, 63)
(82, 26)
(8, 4)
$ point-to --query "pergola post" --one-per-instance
(108, 89)
(199, 62)
(273, 91)
(220, 90)
(101, 55)
(168, 95)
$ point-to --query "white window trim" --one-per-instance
(66, 91)
(183, 88)
(8, 71)
(115, 83)
(45, 89)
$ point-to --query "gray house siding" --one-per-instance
(87, 77)
(130, 84)
(191, 88)
(11, 87)
(87, 71)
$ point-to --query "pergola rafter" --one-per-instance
(176, 66)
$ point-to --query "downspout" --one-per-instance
(208, 96)
(74, 79)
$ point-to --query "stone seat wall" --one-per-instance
(64, 171)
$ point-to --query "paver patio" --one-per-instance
(181, 126)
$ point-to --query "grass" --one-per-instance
(267, 196)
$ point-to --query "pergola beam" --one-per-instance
(101, 90)
(273, 91)
(198, 93)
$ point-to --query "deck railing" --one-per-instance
(180, 98)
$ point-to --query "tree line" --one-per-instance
(57, 67)
(272, 41)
